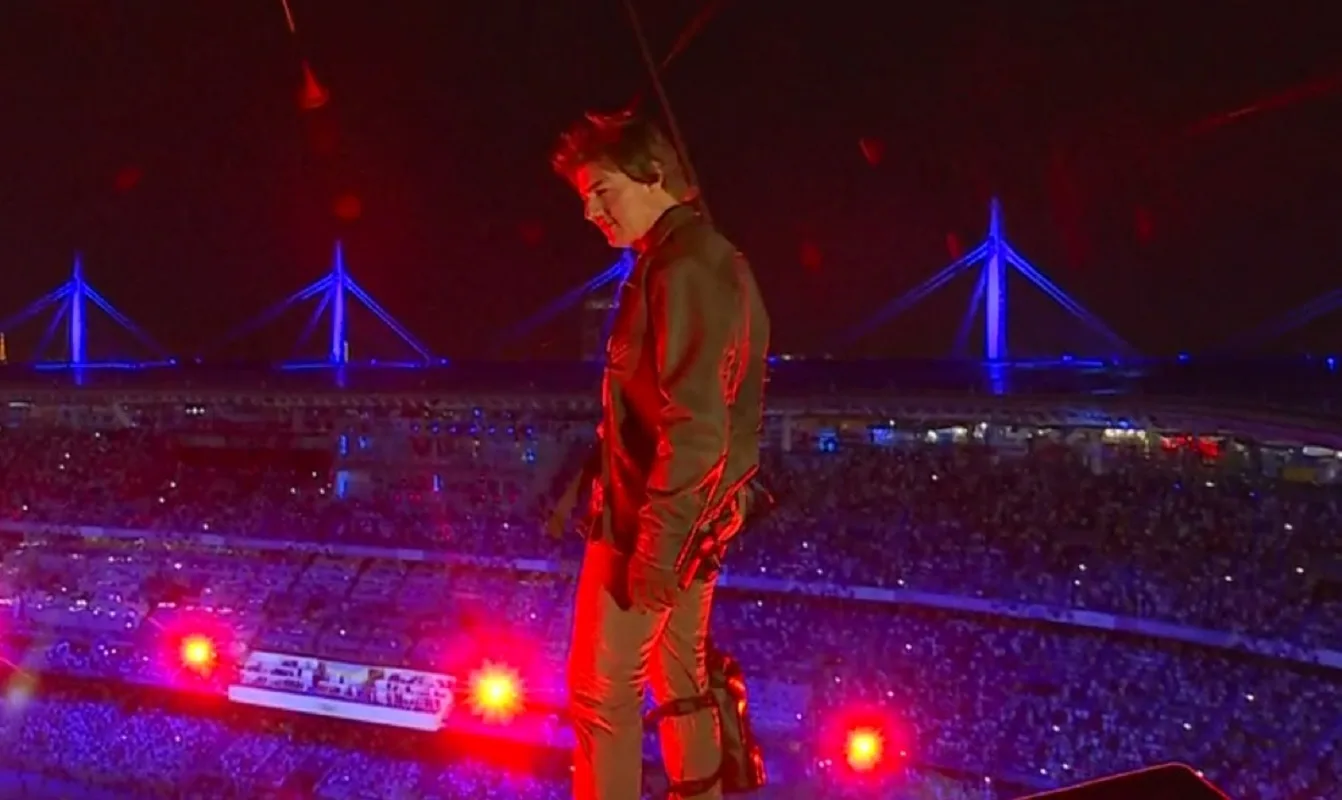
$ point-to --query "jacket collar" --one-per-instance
(674, 217)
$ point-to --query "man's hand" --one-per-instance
(652, 586)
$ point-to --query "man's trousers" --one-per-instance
(615, 652)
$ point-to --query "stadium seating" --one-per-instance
(992, 619)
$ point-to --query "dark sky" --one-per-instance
(163, 140)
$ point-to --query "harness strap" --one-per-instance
(682, 707)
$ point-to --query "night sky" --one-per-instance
(848, 150)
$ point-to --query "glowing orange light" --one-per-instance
(198, 652)
(496, 693)
(864, 749)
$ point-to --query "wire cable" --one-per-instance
(655, 74)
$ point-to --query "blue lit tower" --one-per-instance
(333, 291)
(995, 284)
(993, 256)
(68, 305)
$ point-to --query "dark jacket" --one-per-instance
(683, 390)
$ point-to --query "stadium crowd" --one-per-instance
(969, 704)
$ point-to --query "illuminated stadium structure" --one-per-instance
(69, 306)
(997, 258)
(332, 293)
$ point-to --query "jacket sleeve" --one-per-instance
(692, 313)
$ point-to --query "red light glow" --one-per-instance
(496, 693)
(873, 149)
(953, 246)
(312, 95)
(348, 207)
(127, 178)
(198, 652)
(864, 749)
(811, 257)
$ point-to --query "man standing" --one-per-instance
(679, 438)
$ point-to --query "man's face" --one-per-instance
(620, 206)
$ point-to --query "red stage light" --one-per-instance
(496, 693)
(864, 749)
(198, 652)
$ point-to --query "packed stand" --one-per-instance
(1143, 535)
(1022, 703)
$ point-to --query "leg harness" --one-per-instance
(742, 766)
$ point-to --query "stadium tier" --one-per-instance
(231, 593)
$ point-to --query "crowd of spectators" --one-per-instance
(972, 705)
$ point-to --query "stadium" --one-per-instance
(240, 567)
(347, 593)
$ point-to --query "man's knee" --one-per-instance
(688, 724)
(688, 728)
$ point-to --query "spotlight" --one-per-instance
(864, 748)
(198, 652)
(496, 693)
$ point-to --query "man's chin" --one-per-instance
(618, 240)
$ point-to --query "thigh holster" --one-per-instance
(742, 766)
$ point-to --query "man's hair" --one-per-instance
(625, 141)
